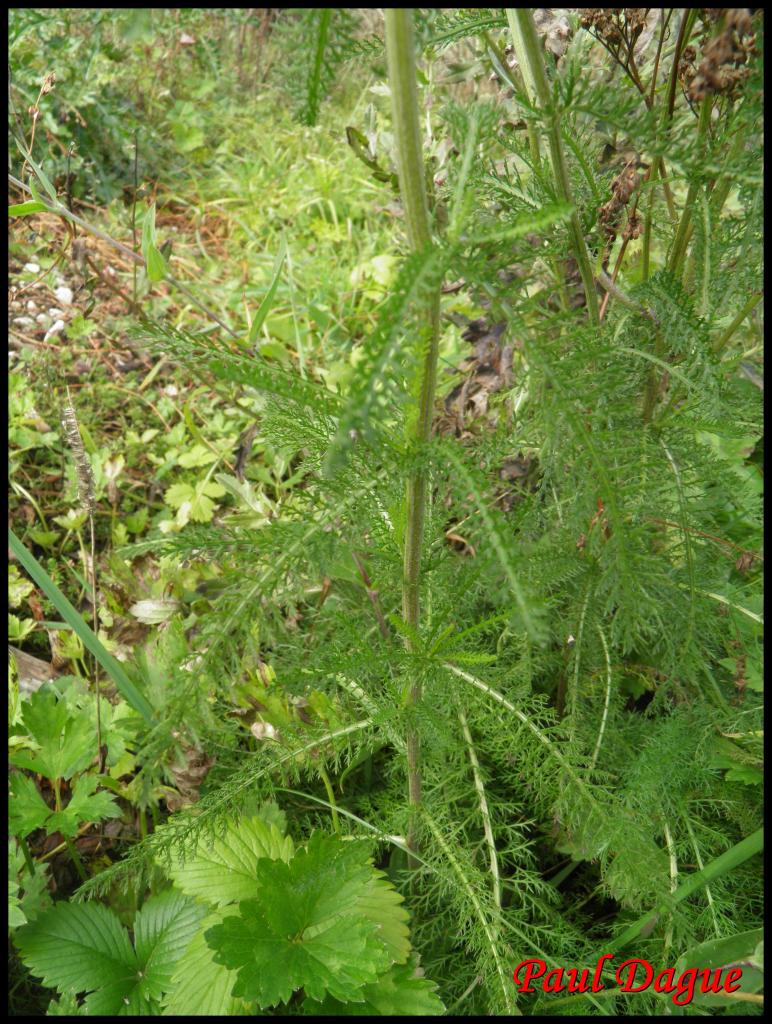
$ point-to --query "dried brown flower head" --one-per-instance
(723, 68)
(82, 465)
(622, 189)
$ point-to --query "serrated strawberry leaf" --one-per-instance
(178, 494)
(82, 947)
(162, 930)
(307, 931)
(79, 947)
(199, 986)
(224, 870)
(381, 903)
(398, 993)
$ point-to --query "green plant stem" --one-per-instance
(646, 245)
(529, 87)
(658, 166)
(75, 858)
(484, 811)
(683, 232)
(134, 219)
(90, 640)
(652, 385)
(400, 51)
(723, 339)
(331, 796)
(27, 855)
(725, 180)
(717, 195)
(528, 50)
(95, 621)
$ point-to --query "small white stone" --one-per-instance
(56, 313)
(24, 321)
(32, 306)
(57, 328)
(43, 318)
(32, 268)
(64, 295)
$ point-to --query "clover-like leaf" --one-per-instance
(307, 930)
(224, 870)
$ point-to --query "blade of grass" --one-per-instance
(70, 615)
(265, 305)
(727, 862)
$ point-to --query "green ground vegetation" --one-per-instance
(385, 483)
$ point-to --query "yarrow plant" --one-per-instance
(502, 639)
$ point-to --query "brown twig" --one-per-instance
(372, 595)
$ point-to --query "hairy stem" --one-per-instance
(400, 51)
